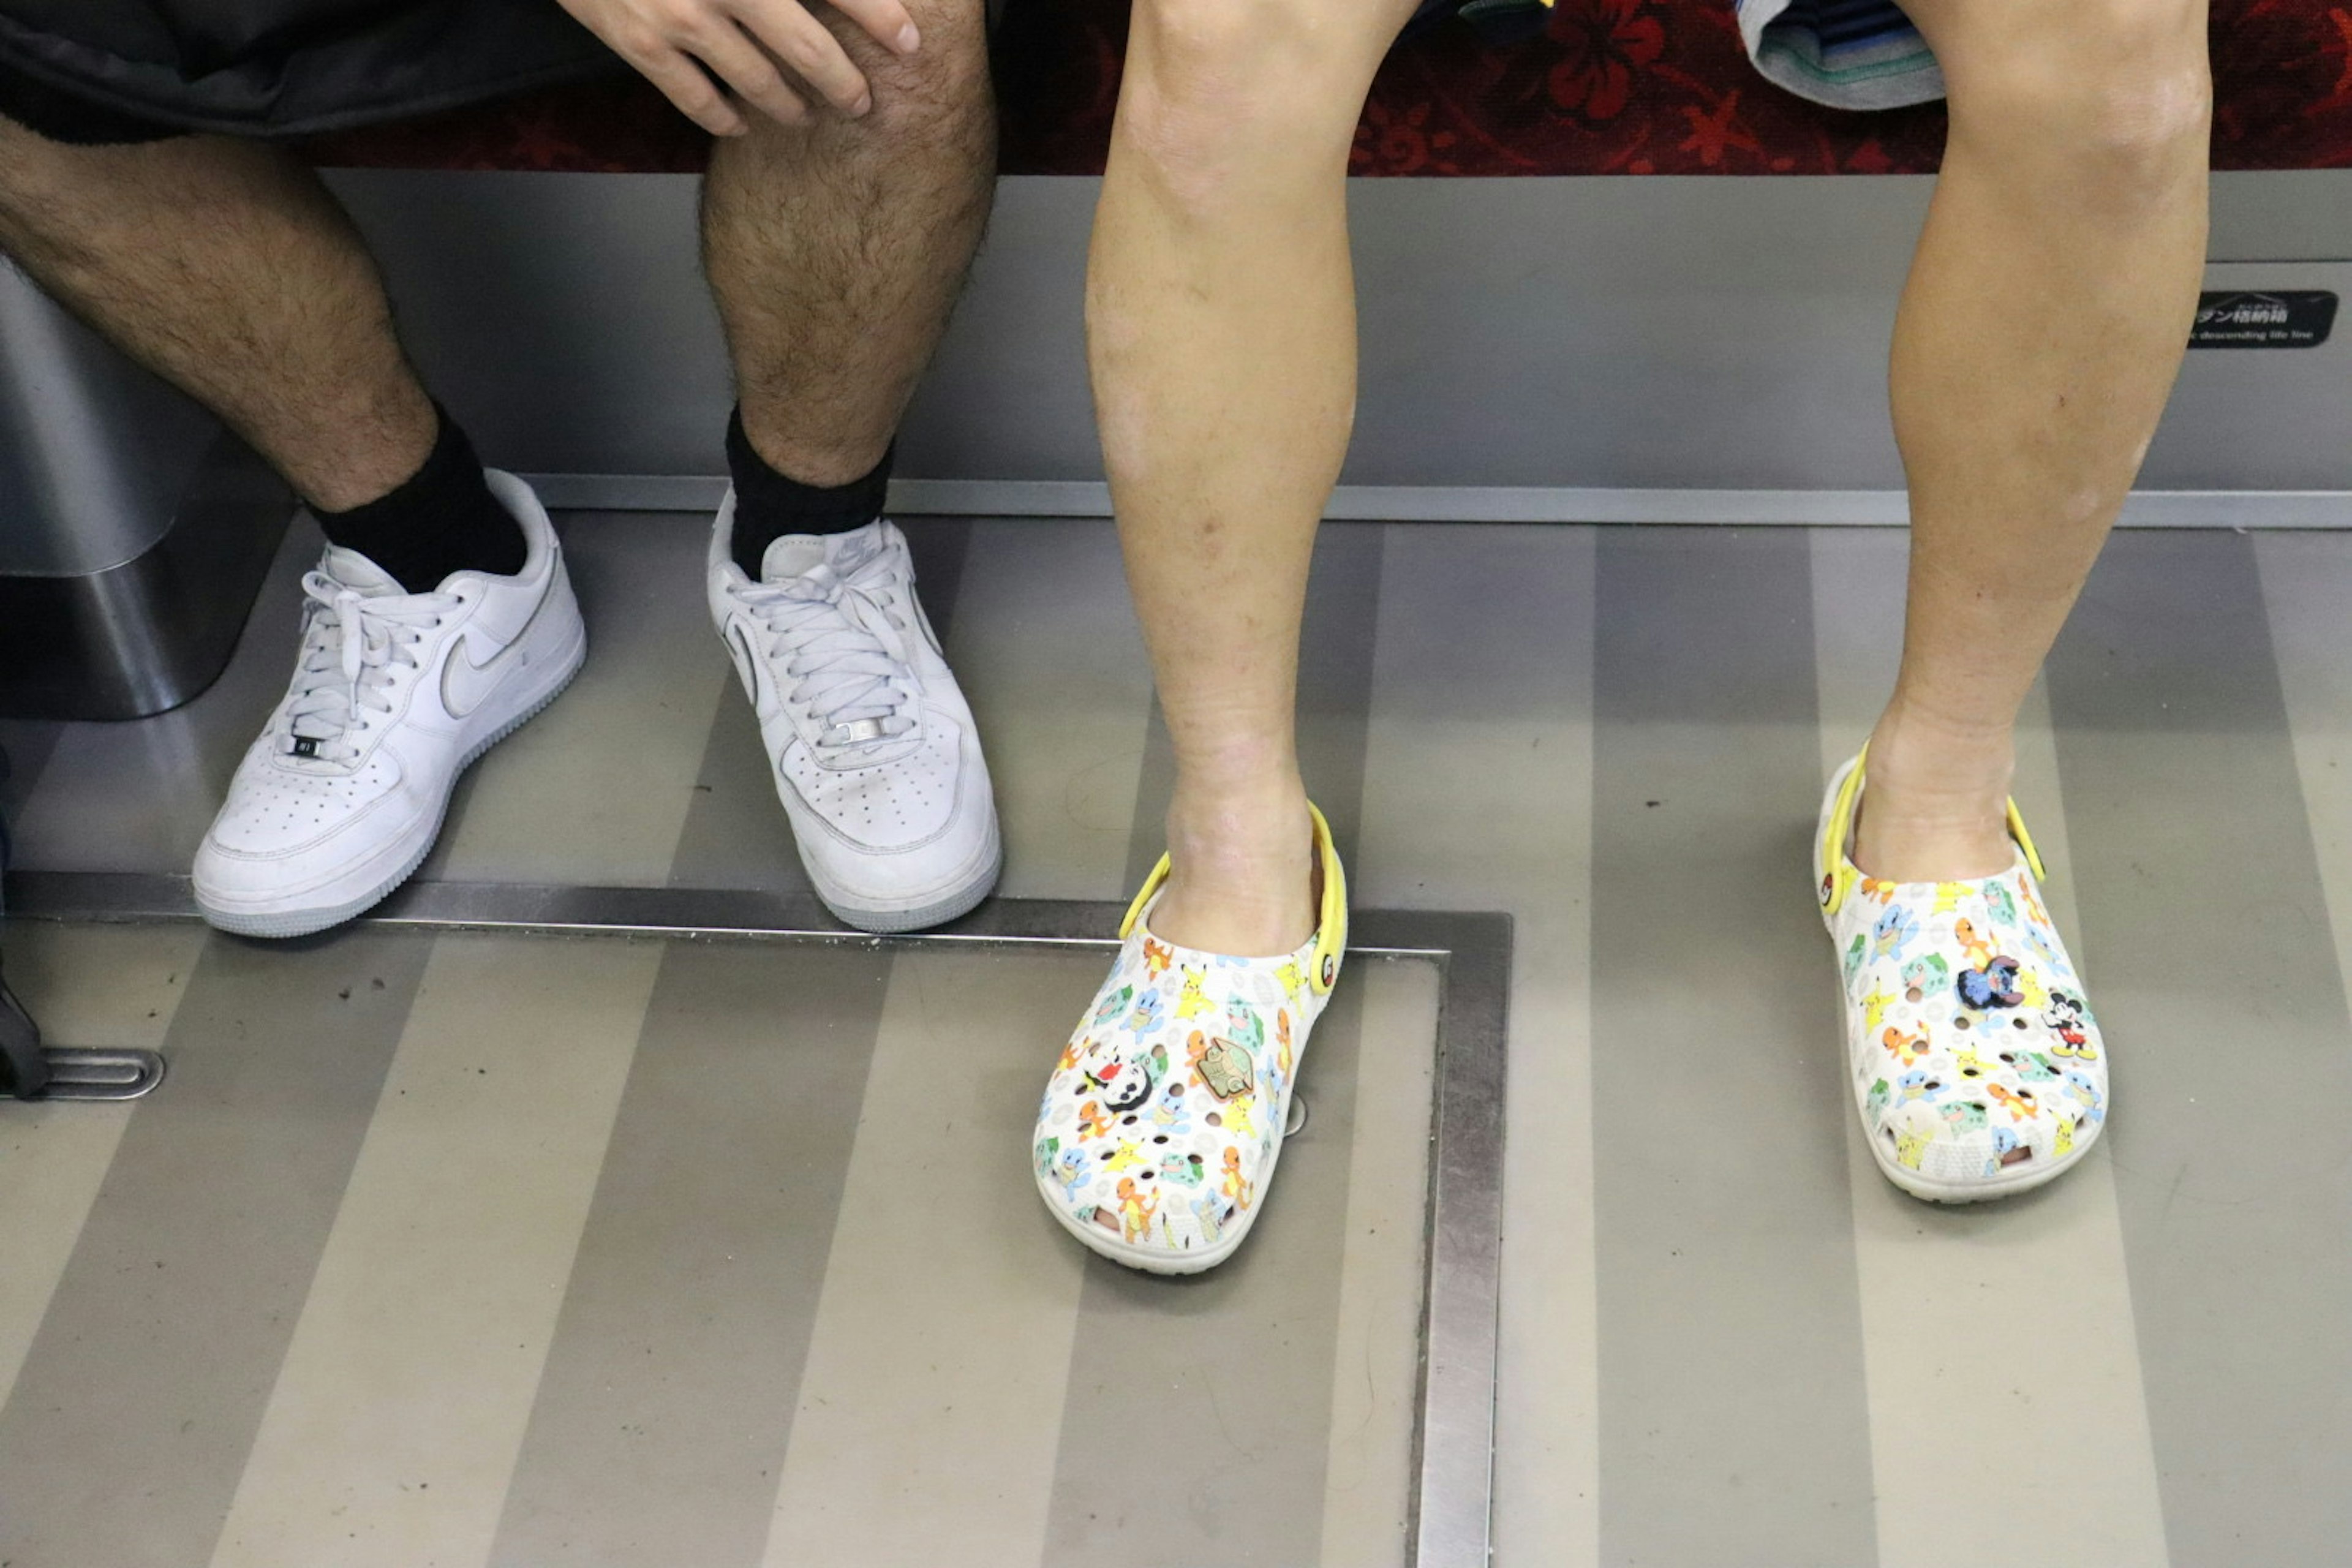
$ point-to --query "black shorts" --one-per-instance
(56, 115)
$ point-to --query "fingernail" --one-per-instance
(864, 103)
(909, 40)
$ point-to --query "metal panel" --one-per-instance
(137, 638)
(1742, 324)
(94, 452)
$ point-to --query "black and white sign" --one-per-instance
(2286, 319)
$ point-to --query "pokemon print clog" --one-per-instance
(1977, 1067)
(1162, 1122)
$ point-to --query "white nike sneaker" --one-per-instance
(875, 756)
(343, 793)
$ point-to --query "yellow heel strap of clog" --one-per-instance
(2025, 842)
(1331, 924)
(1837, 871)
(1331, 919)
(1151, 885)
(1840, 873)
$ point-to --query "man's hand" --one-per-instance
(749, 45)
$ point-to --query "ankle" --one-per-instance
(1240, 824)
(1924, 752)
(361, 449)
(1934, 803)
(1241, 873)
(441, 520)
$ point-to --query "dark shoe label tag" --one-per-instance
(2287, 319)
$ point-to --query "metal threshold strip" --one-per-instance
(1453, 1429)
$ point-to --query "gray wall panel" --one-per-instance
(1644, 333)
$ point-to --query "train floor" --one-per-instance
(461, 1248)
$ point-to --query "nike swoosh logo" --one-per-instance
(746, 667)
(923, 619)
(466, 686)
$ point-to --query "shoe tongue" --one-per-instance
(359, 574)
(794, 554)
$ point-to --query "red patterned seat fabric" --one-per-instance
(1613, 87)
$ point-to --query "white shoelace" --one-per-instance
(350, 646)
(846, 651)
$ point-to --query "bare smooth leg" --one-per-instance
(227, 267)
(1222, 336)
(2044, 321)
(836, 247)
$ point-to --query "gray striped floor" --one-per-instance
(365, 1303)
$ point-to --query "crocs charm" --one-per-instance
(1225, 1068)
(1127, 1083)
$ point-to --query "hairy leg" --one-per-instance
(836, 247)
(227, 267)
(2045, 318)
(1222, 335)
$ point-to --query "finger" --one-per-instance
(887, 22)
(745, 68)
(802, 43)
(683, 83)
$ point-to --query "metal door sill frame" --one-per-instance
(1454, 1430)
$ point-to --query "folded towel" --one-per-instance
(1848, 53)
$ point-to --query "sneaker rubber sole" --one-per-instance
(960, 895)
(279, 920)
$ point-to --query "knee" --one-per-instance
(2116, 91)
(1216, 87)
(944, 83)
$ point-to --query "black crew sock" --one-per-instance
(441, 518)
(769, 505)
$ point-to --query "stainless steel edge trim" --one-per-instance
(1453, 1461)
(1451, 1507)
(1472, 503)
